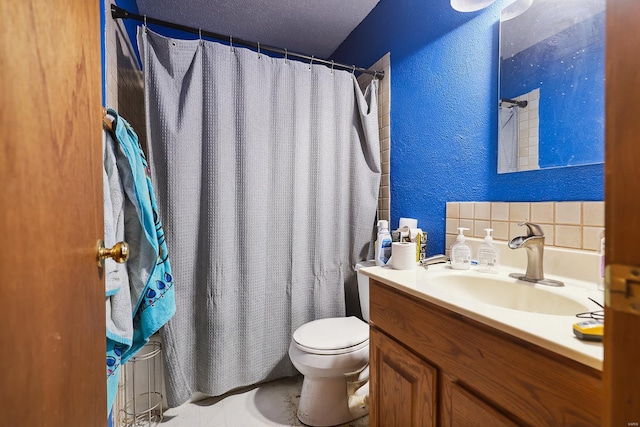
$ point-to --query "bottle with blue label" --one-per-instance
(383, 243)
(460, 252)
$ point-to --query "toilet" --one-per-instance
(333, 356)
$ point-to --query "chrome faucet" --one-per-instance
(436, 259)
(533, 242)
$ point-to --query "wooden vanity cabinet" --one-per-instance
(433, 367)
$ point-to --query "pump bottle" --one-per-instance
(460, 252)
(488, 255)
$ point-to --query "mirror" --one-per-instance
(551, 84)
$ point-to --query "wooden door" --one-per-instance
(622, 204)
(403, 386)
(52, 314)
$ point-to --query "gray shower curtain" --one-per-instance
(267, 174)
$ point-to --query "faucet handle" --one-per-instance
(534, 229)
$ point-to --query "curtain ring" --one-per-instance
(375, 74)
(259, 50)
(311, 62)
(353, 70)
(286, 52)
(145, 23)
(332, 66)
(200, 35)
(231, 43)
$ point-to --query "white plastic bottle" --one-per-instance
(460, 252)
(383, 243)
(488, 255)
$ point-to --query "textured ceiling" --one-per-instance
(302, 26)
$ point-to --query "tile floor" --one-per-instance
(269, 404)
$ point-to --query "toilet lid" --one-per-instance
(333, 333)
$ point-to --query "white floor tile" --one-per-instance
(270, 404)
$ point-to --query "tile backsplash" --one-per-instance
(574, 225)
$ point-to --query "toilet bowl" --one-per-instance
(333, 356)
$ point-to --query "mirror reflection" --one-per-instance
(551, 88)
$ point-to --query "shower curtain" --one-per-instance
(267, 173)
(508, 139)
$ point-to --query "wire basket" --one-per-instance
(143, 380)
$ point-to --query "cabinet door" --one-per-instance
(460, 408)
(403, 386)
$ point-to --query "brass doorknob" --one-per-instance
(119, 252)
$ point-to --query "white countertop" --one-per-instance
(553, 332)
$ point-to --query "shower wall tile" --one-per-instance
(576, 225)
(528, 125)
(384, 129)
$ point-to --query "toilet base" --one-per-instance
(324, 402)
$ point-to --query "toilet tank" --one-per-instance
(363, 288)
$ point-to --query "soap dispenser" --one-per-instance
(460, 252)
(488, 255)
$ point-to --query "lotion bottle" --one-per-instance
(383, 243)
(460, 252)
(488, 255)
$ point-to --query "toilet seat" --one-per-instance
(334, 335)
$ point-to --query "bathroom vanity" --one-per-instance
(440, 359)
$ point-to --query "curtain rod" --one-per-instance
(120, 13)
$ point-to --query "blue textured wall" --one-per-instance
(444, 67)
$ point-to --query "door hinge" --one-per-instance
(622, 292)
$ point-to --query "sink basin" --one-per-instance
(508, 293)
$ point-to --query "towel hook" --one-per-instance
(311, 62)
(332, 66)
(259, 56)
